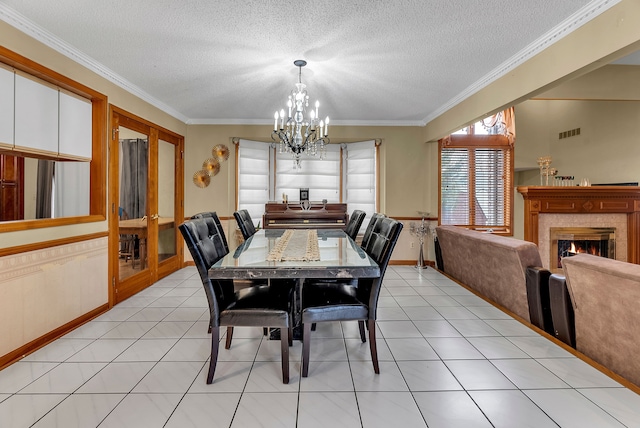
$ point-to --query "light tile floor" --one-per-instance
(447, 359)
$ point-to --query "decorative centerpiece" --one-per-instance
(544, 162)
(420, 230)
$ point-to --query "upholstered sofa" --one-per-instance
(605, 294)
(493, 265)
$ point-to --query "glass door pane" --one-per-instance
(132, 210)
(166, 200)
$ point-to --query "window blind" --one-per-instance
(476, 187)
(321, 177)
(253, 177)
(360, 177)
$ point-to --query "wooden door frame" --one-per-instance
(120, 117)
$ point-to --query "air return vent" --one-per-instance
(569, 133)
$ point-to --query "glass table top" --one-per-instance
(340, 257)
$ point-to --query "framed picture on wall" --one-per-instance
(304, 195)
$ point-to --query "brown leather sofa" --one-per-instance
(493, 265)
(605, 294)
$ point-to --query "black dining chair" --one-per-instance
(367, 233)
(243, 218)
(220, 236)
(255, 306)
(216, 219)
(355, 221)
(323, 301)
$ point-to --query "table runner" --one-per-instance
(296, 245)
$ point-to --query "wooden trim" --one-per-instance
(237, 146)
(414, 218)
(121, 289)
(43, 340)
(377, 146)
(17, 225)
(98, 166)
(49, 244)
(472, 141)
(429, 263)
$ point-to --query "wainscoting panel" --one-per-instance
(44, 289)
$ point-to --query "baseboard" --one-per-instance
(429, 263)
(41, 341)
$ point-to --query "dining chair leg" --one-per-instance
(290, 334)
(284, 346)
(363, 336)
(215, 338)
(372, 345)
(306, 341)
(265, 331)
(227, 343)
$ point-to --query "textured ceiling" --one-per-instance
(397, 62)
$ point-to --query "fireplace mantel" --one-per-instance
(584, 200)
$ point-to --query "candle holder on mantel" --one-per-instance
(420, 231)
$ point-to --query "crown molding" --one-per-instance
(21, 23)
(269, 122)
(572, 23)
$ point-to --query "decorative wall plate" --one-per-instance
(201, 178)
(220, 152)
(212, 166)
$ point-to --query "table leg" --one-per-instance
(274, 333)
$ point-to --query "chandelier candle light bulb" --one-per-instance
(298, 134)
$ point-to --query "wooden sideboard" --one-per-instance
(295, 215)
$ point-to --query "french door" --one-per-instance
(145, 203)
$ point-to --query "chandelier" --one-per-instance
(296, 133)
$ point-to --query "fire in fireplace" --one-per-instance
(568, 241)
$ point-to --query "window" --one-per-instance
(347, 174)
(476, 178)
(320, 176)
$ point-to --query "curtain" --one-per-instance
(506, 121)
(71, 190)
(134, 155)
(44, 188)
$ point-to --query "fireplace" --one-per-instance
(599, 207)
(568, 241)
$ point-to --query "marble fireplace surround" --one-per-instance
(597, 206)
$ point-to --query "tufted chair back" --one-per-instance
(243, 218)
(355, 221)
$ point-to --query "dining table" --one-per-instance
(296, 254)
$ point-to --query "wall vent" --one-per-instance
(569, 133)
